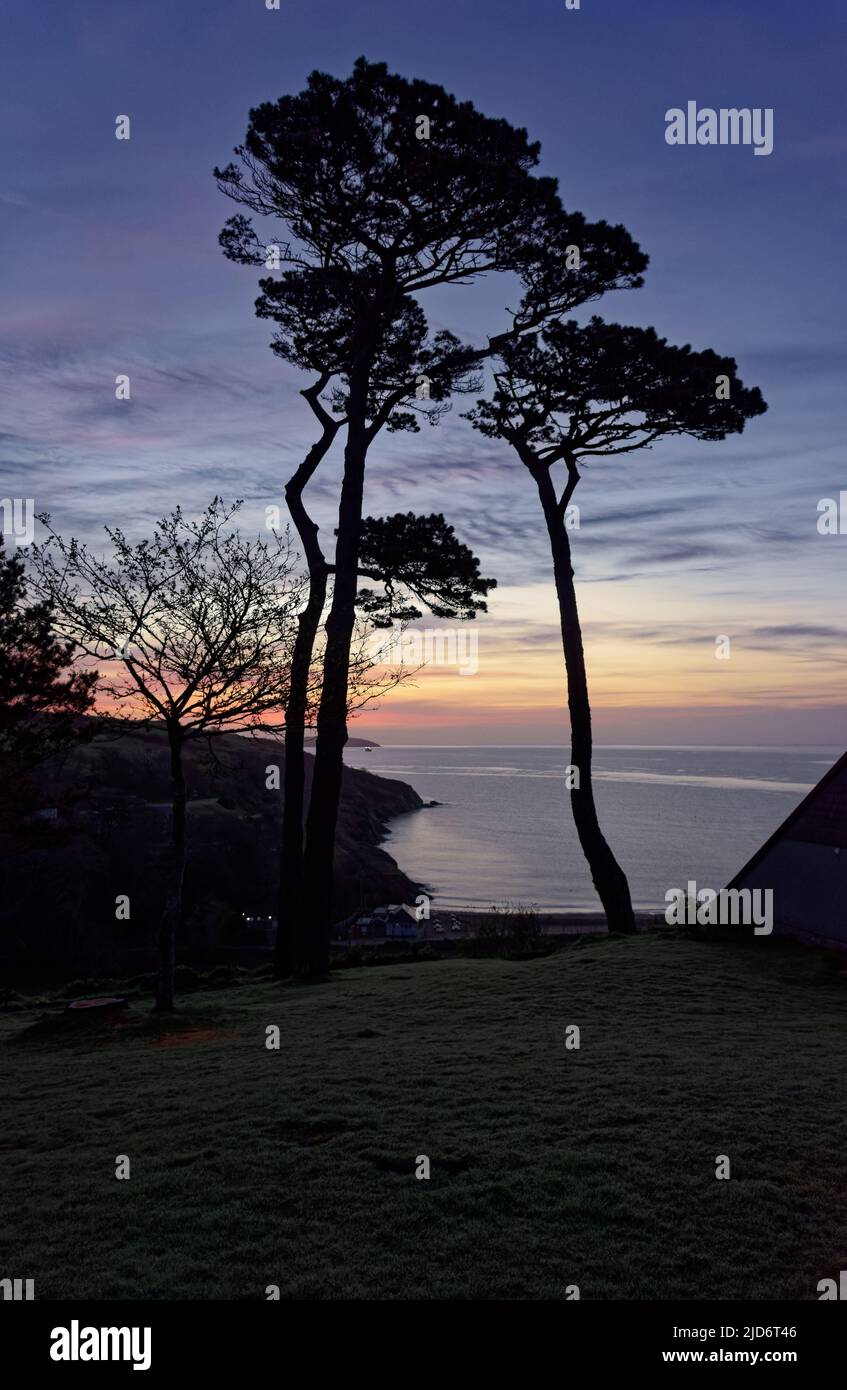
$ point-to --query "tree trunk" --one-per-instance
(292, 922)
(332, 713)
(292, 929)
(607, 875)
(319, 856)
(172, 914)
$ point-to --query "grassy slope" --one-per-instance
(549, 1167)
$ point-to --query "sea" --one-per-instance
(502, 831)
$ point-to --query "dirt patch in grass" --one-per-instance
(96, 1028)
(61, 1029)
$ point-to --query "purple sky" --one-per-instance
(110, 264)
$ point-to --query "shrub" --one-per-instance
(510, 929)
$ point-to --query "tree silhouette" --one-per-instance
(41, 700)
(197, 624)
(290, 947)
(377, 215)
(418, 558)
(314, 314)
(579, 393)
(411, 557)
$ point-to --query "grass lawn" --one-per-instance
(549, 1167)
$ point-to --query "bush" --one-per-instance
(83, 989)
(509, 929)
(223, 976)
(11, 1001)
(143, 983)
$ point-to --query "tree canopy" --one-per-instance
(586, 391)
(368, 205)
(41, 700)
(196, 621)
(422, 556)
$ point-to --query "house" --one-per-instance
(389, 922)
(401, 920)
(805, 864)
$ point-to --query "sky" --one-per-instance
(110, 264)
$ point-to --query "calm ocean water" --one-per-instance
(504, 831)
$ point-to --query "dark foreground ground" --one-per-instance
(550, 1167)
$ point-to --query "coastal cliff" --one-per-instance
(103, 832)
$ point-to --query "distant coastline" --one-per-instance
(351, 742)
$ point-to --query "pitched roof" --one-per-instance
(820, 819)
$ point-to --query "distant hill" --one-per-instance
(110, 837)
(351, 742)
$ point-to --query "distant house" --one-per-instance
(805, 863)
(389, 922)
(401, 920)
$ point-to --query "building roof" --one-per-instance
(820, 819)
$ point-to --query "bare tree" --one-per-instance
(197, 625)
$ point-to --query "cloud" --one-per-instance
(661, 556)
